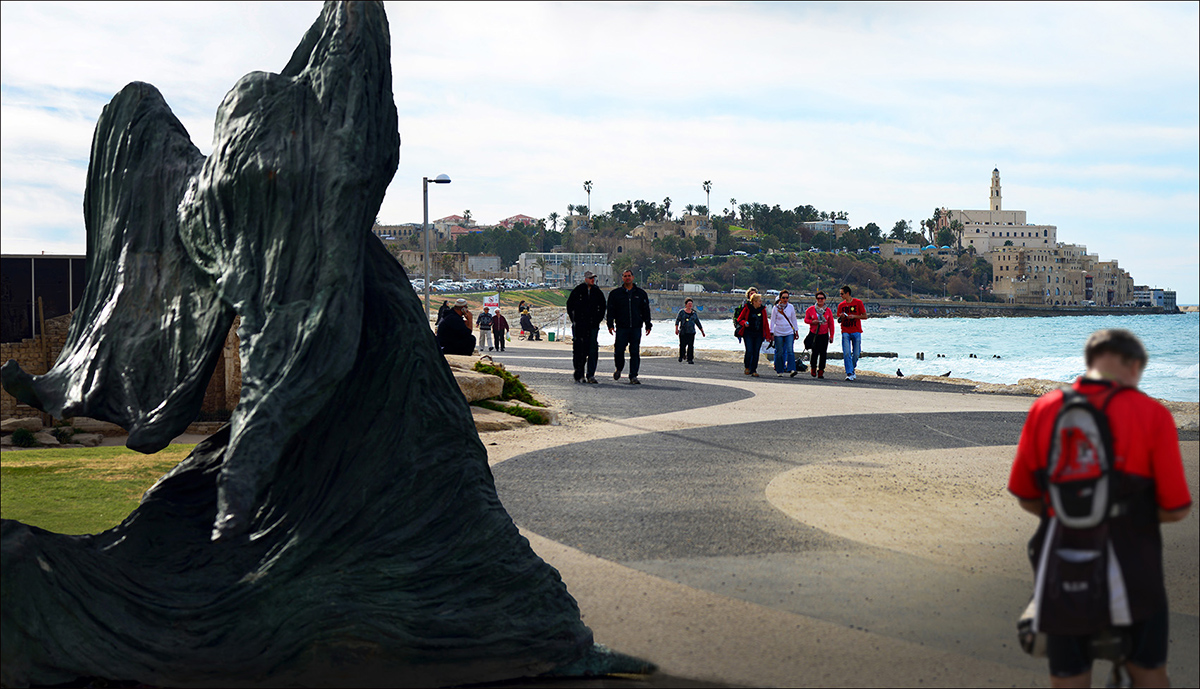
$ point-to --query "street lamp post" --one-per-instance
(440, 179)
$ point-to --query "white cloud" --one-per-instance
(881, 110)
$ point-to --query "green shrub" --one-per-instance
(23, 437)
(514, 389)
(63, 434)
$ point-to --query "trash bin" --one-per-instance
(550, 335)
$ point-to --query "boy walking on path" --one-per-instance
(585, 307)
(686, 324)
(784, 328)
(1147, 487)
(850, 313)
(819, 318)
(628, 310)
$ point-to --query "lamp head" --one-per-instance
(441, 179)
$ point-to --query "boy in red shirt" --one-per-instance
(1150, 482)
(850, 313)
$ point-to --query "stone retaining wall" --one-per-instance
(36, 356)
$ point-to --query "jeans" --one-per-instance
(785, 353)
(632, 338)
(687, 346)
(851, 341)
(753, 342)
(584, 351)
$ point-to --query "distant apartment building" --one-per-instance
(511, 221)
(564, 269)
(1064, 275)
(838, 226)
(389, 233)
(901, 252)
(995, 227)
(1152, 296)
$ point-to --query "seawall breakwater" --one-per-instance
(668, 302)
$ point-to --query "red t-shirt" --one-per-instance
(854, 306)
(1144, 441)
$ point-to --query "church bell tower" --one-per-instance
(994, 203)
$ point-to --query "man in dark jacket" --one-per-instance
(585, 307)
(628, 309)
(453, 334)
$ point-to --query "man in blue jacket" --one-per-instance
(585, 307)
(628, 310)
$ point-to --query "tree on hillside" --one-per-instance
(900, 231)
(667, 208)
(568, 265)
(466, 218)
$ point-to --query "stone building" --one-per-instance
(1063, 275)
(442, 264)
(988, 229)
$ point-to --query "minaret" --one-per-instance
(995, 200)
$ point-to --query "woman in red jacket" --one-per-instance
(754, 328)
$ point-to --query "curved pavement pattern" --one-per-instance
(718, 509)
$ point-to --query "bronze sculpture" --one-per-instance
(344, 528)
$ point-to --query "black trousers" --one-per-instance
(584, 351)
(753, 342)
(687, 346)
(631, 337)
(819, 349)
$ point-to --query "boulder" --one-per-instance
(488, 420)
(549, 414)
(83, 424)
(87, 439)
(46, 438)
(478, 386)
(29, 423)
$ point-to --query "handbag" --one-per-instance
(809, 340)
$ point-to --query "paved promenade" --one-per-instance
(793, 532)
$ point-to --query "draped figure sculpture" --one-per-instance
(344, 527)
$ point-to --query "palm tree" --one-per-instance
(466, 218)
(667, 207)
(553, 217)
(540, 262)
(707, 195)
(733, 205)
(446, 261)
(587, 186)
(567, 265)
(689, 208)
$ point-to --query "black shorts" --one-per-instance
(1071, 655)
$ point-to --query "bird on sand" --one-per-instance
(899, 373)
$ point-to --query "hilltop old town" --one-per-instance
(993, 254)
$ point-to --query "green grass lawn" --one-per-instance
(79, 490)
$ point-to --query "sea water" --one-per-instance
(1049, 348)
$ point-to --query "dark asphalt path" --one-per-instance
(689, 506)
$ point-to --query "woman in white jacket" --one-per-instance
(784, 327)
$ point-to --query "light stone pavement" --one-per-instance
(793, 532)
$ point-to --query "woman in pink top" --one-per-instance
(820, 322)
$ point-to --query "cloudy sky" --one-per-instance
(882, 111)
